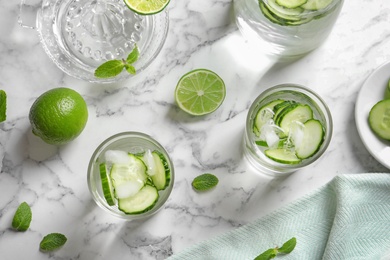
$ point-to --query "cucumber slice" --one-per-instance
(279, 108)
(387, 90)
(142, 201)
(282, 15)
(290, 3)
(282, 155)
(269, 15)
(313, 137)
(379, 119)
(133, 171)
(284, 111)
(162, 177)
(292, 14)
(280, 144)
(314, 5)
(108, 190)
(264, 114)
(300, 113)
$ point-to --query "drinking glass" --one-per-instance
(131, 142)
(286, 32)
(254, 145)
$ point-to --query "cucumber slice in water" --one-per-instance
(162, 177)
(313, 137)
(282, 155)
(133, 171)
(264, 114)
(292, 14)
(269, 15)
(142, 201)
(379, 119)
(316, 4)
(284, 111)
(108, 190)
(280, 143)
(387, 90)
(291, 3)
(300, 113)
(280, 107)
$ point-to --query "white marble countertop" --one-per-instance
(202, 34)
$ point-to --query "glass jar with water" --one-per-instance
(286, 28)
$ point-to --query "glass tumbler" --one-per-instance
(130, 142)
(286, 29)
(288, 127)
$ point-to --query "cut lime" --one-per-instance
(200, 92)
(106, 185)
(146, 7)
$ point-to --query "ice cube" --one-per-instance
(117, 157)
(266, 114)
(271, 134)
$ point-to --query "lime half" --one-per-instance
(200, 92)
(146, 7)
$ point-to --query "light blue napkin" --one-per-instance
(349, 218)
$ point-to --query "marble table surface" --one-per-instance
(202, 34)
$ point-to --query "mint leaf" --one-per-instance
(204, 182)
(3, 105)
(113, 68)
(52, 242)
(268, 254)
(130, 69)
(288, 246)
(133, 56)
(109, 69)
(22, 217)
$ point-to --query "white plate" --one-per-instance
(372, 91)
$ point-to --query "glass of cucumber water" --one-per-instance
(130, 175)
(288, 127)
(286, 28)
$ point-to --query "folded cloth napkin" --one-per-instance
(349, 218)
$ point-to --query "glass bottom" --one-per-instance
(256, 163)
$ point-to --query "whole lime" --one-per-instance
(58, 116)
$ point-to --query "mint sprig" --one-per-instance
(286, 248)
(204, 182)
(113, 68)
(22, 217)
(52, 242)
(3, 105)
